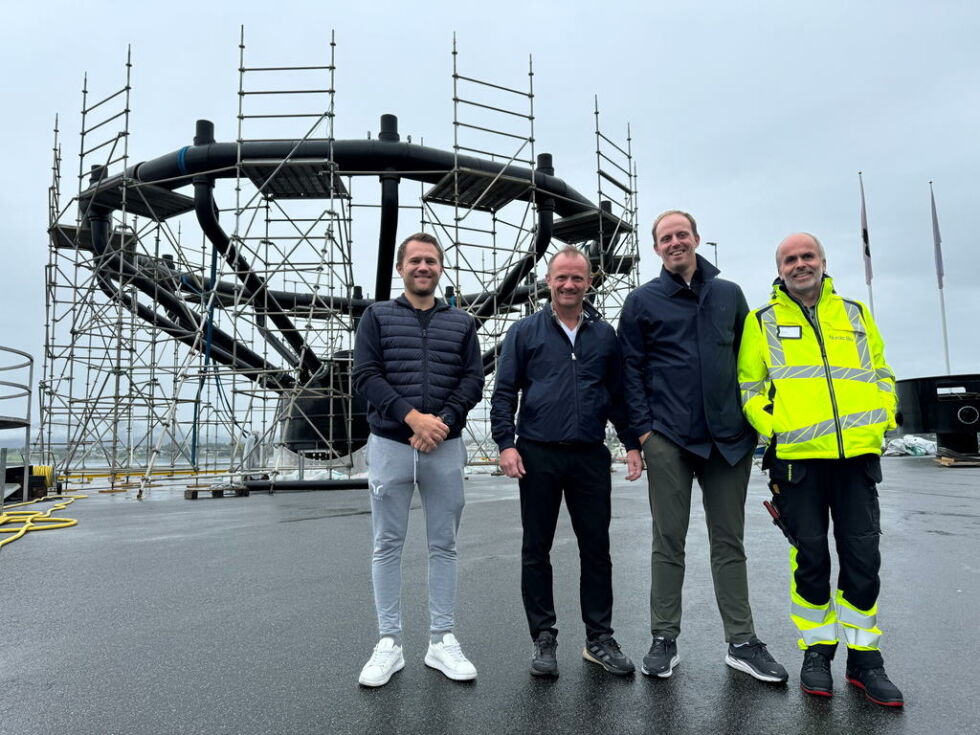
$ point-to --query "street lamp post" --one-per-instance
(714, 246)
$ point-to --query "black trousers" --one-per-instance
(581, 473)
(811, 492)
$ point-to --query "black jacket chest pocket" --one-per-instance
(723, 325)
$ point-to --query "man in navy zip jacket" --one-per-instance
(417, 362)
(680, 336)
(564, 362)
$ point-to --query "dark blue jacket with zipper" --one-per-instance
(405, 358)
(567, 394)
(680, 346)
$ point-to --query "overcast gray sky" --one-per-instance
(754, 116)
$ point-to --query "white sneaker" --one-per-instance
(448, 658)
(385, 661)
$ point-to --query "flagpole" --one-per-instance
(938, 252)
(942, 312)
(866, 246)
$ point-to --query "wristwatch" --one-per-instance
(447, 417)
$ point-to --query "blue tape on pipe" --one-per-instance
(181, 156)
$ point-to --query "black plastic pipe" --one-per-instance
(542, 239)
(206, 211)
(241, 359)
(418, 163)
(387, 234)
(288, 300)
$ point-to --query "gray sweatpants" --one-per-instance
(394, 469)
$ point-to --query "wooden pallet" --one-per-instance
(192, 490)
(958, 461)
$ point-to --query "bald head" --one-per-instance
(795, 237)
(801, 262)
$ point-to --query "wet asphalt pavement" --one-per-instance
(254, 615)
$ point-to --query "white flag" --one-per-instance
(864, 235)
(936, 239)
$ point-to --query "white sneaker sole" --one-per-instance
(365, 682)
(587, 655)
(433, 663)
(739, 665)
(664, 674)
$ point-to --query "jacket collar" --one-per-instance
(403, 301)
(705, 272)
(589, 313)
(780, 294)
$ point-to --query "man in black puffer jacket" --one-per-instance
(417, 363)
(565, 363)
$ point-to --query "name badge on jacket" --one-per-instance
(789, 331)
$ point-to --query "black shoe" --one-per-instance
(661, 658)
(543, 660)
(876, 685)
(815, 675)
(605, 652)
(755, 660)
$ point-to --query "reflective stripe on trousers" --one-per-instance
(859, 627)
(816, 623)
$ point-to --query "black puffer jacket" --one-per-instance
(568, 394)
(427, 360)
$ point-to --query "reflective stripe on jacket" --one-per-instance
(821, 388)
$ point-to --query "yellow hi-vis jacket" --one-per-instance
(820, 388)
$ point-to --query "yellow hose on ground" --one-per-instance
(23, 521)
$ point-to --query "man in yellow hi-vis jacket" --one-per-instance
(815, 383)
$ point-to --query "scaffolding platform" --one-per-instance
(292, 179)
(478, 190)
(146, 200)
(588, 226)
(621, 265)
(69, 237)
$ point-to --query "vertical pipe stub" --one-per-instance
(545, 164)
(96, 173)
(204, 132)
(389, 128)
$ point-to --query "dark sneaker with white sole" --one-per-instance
(754, 659)
(661, 658)
(544, 662)
(605, 652)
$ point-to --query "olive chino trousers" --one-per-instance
(671, 471)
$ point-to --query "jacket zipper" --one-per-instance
(578, 413)
(425, 369)
(815, 323)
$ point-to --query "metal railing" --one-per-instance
(10, 390)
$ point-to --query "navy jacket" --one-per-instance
(568, 394)
(427, 360)
(680, 349)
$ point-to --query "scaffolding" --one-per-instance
(230, 352)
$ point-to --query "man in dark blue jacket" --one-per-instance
(680, 336)
(565, 363)
(417, 363)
